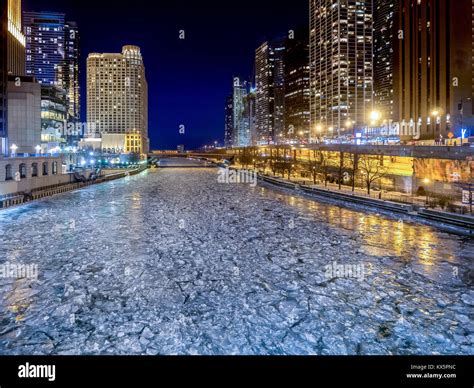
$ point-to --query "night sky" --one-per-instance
(189, 79)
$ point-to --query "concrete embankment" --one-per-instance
(44, 192)
(464, 224)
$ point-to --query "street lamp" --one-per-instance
(461, 110)
(14, 147)
(331, 131)
(375, 117)
(350, 124)
(436, 116)
(319, 129)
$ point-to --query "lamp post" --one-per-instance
(331, 132)
(461, 111)
(375, 117)
(319, 129)
(13, 149)
(435, 114)
(350, 124)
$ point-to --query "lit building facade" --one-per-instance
(297, 89)
(117, 100)
(71, 71)
(52, 56)
(279, 49)
(250, 112)
(270, 91)
(434, 77)
(265, 98)
(229, 121)
(53, 117)
(3, 76)
(241, 131)
(45, 46)
(16, 39)
(12, 60)
(341, 65)
(386, 31)
(240, 115)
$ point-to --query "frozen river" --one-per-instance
(171, 262)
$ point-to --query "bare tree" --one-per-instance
(345, 167)
(324, 166)
(246, 159)
(353, 168)
(313, 168)
(372, 170)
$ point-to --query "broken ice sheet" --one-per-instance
(174, 263)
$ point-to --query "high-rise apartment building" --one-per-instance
(52, 56)
(117, 101)
(433, 82)
(250, 104)
(386, 35)
(45, 49)
(279, 48)
(229, 121)
(3, 75)
(240, 115)
(265, 98)
(16, 39)
(12, 59)
(71, 71)
(270, 91)
(341, 65)
(297, 88)
(241, 130)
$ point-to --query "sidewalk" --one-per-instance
(392, 196)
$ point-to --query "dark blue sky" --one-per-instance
(188, 79)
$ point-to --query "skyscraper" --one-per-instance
(16, 39)
(250, 115)
(229, 121)
(434, 79)
(71, 71)
(241, 130)
(278, 46)
(52, 56)
(264, 83)
(297, 88)
(386, 31)
(117, 101)
(3, 75)
(270, 90)
(12, 59)
(240, 115)
(45, 51)
(341, 65)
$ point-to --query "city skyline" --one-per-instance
(178, 70)
(246, 179)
